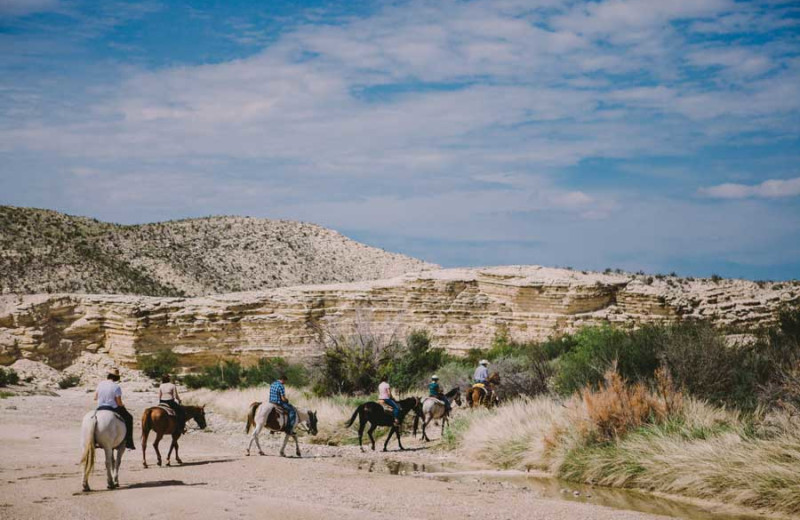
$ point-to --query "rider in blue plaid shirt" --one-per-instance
(277, 395)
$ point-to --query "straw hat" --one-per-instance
(114, 372)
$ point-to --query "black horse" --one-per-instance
(374, 413)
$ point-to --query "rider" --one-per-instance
(385, 396)
(481, 374)
(109, 397)
(168, 394)
(434, 390)
(277, 395)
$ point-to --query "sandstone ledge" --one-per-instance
(461, 308)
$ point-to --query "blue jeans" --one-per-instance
(292, 414)
(395, 407)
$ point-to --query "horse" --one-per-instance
(105, 429)
(485, 395)
(375, 414)
(158, 419)
(433, 408)
(260, 415)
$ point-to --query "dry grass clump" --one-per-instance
(616, 408)
(658, 440)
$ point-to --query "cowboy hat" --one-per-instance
(434, 376)
(484, 362)
(113, 372)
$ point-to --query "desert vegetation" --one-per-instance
(675, 408)
(45, 251)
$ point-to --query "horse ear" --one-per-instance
(203, 408)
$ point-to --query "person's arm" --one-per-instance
(177, 397)
(159, 393)
(95, 395)
(118, 399)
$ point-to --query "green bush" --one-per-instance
(415, 362)
(8, 377)
(69, 381)
(593, 350)
(159, 364)
(230, 374)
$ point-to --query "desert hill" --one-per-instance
(44, 251)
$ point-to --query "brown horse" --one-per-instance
(486, 396)
(158, 420)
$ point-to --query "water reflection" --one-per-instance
(554, 489)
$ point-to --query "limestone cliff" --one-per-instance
(461, 308)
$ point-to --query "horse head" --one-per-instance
(198, 413)
(455, 395)
(494, 378)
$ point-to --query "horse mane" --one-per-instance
(452, 392)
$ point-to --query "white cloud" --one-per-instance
(769, 189)
(14, 8)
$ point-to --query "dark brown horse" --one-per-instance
(158, 420)
(484, 395)
(374, 414)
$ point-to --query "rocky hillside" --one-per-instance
(461, 308)
(45, 251)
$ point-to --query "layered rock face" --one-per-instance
(461, 308)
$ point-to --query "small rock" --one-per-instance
(576, 493)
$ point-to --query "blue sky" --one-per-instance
(662, 136)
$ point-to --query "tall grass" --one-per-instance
(701, 451)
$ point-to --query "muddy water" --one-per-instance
(552, 488)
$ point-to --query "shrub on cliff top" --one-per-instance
(8, 377)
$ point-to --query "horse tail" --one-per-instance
(251, 416)
(355, 414)
(147, 424)
(87, 460)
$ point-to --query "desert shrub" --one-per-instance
(267, 370)
(615, 408)
(414, 363)
(596, 349)
(776, 361)
(353, 361)
(69, 381)
(525, 375)
(230, 374)
(159, 364)
(705, 365)
(8, 377)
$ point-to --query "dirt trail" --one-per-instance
(39, 478)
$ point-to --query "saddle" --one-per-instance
(167, 408)
(482, 386)
(109, 409)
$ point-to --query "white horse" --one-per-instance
(434, 409)
(102, 428)
(260, 415)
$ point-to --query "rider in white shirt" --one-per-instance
(385, 395)
(109, 397)
(168, 394)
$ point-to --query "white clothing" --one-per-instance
(168, 391)
(384, 391)
(107, 393)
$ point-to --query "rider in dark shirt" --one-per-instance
(434, 390)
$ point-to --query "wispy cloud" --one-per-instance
(769, 189)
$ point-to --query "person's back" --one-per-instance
(107, 393)
(481, 374)
(168, 392)
(277, 392)
(433, 389)
(384, 391)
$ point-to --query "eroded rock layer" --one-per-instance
(461, 308)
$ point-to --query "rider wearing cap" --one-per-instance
(109, 397)
(481, 374)
(434, 390)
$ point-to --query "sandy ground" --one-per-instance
(40, 477)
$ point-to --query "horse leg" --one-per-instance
(362, 423)
(371, 438)
(256, 433)
(117, 463)
(155, 446)
(177, 457)
(145, 433)
(109, 467)
(445, 420)
(397, 433)
(283, 448)
(171, 447)
(425, 421)
(296, 445)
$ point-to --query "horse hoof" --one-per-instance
(168, 464)
(247, 454)
(145, 465)
(158, 463)
(283, 454)
(180, 461)
(261, 453)
(86, 487)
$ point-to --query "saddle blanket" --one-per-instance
(167, 408)
(109, 409)
(479, 385)
(386, 407)
(434, 399)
